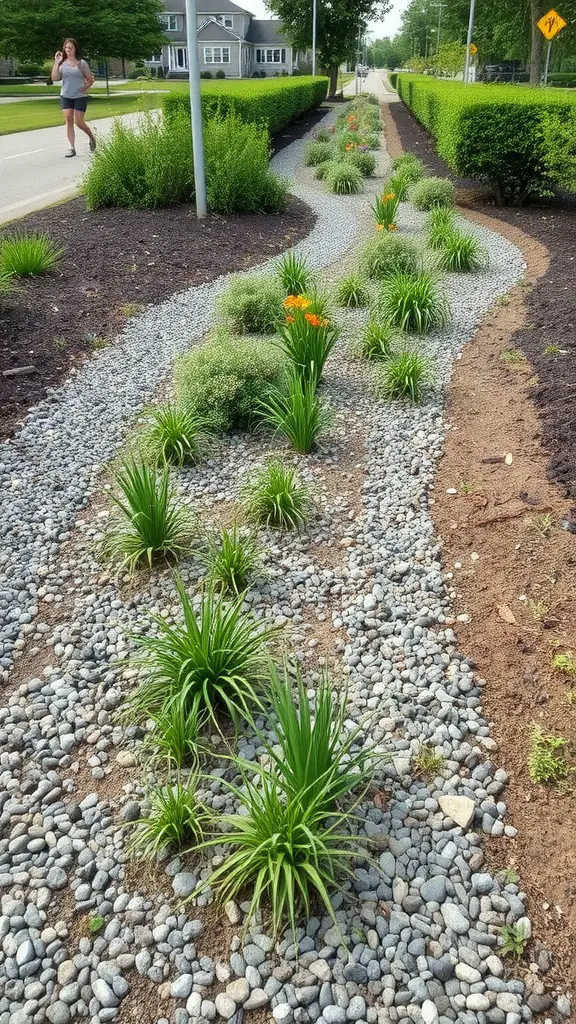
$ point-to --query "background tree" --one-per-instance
(385, 53)
(340, 24)
(34, 29)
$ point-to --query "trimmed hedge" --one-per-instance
(393, 78)
(277, 101)
(494, 133)
(567, 79)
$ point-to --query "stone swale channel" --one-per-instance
(361, 591)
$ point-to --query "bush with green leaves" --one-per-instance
(343, 177)
(365, 162)
(295, 274)
(296, 412)
(27, 254)
(375, 341)
(174, 819)
(318, 153)
(238, 176)
(213, 661)
(410, 166)
(348, 141)
(251, 304)
(429, 193)
(412, 303)
(387, 254)
(274, 496)
(352, 292)
(405, 375)
(151, 521)
(232, 560)
(222, 381)
(462, 253)
(323, 135)
(441, 223)
(175, 435)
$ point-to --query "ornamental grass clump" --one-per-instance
(274, 496)
(385, 208)
(238, 175)
(363, 160)
(399, 184)
(294, 273)
(410, 166)
(462, 253)
(412, 303)
(388, 253)
(175, 736)
(175, 435)
(232, 560)
(252, 305)
(352, 293)
(375, 341)
(28, 254)
(296, 412)
(151, 522)
(405, 375)
(318, 153)
(306, 337)
(441, 223)
(174, 819)
(430, 192)
(213, 662)
(343, 178)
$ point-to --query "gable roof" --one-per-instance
(213, 30)
(266, 30)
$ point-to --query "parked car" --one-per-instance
(361, 70)
(505, 71)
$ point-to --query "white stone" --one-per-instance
(460, 808)
(429, 1012)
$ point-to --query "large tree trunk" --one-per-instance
(536, 12)
(333, 72)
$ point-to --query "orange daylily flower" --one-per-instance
(392, 227)
(316, 321)
(290, 319)
(391, 195)
(379, 227)
(296, 302)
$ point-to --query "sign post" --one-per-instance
(469, 43)
(196, 108)
(550, 25)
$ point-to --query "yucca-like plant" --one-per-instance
(399, 183)
(462, 252)
(175, 736)
(412, 303)
(213, 661)
(385, 208)
(352, 293)
(388, 253)
(440, 224)
(296, 412)
(274, 496)
(151, 522)
(232, 560)
(175, 819)
(28, 254)
(410, 166)
(343, 178)
(307, 337)
(295, 274)
(405, 375)
(375, 341)
(318, 152)
(430, 192)
(176, 435)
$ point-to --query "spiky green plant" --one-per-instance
(318, 152)
(213, 661)
(412, 303)
(28, 254)
(176, 435)
(375, 341)
(296, 412)
(343, 177)
(410, 166)
(387, 254)
(547, 760)
(232, 559)
(399, 183)
(441, 223)
(351, 292)
(462, 253)
(430, 192)
(294, 273)
(151, 522)
(275, 496)
(385, 208)
(427, 761)
(175, 736)
(307, 338)
(404, 375)
(175, 818)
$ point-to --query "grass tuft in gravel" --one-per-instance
(352, 292)
(176, 435)
(440, 224)
(175, 736)
(410, 166)
(173, 820)
(388, 254)
(412, 303)
(375, 341)
(232, 560)
(405, 375)
(462, 253)
(296, 412)
(343, 177)
(294, 273)
(275, 496)
(431, 192)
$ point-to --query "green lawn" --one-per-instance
(24, 117)
(99, 88)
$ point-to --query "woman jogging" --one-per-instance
(76, 78)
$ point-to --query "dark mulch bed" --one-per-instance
(551, 303)
(114, 259)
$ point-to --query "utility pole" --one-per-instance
(440, 9)
(196, 108)
(469, 40)
(313, 37)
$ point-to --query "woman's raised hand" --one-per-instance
(58, 55)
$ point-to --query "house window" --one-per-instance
(271, 56)
(169, 22)
(156, 58)
(225, 19)
(216, 54)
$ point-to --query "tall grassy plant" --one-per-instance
(296, 412)
(431, 192)
(412, 303)
(410, 166)
(385, 208)
(274, 496)
(405, 375)
(175, 736)
(232, 560)
(375, 341)
(238, 177)
(307, 338)
(352, 293)
(441, 223)
(343, 178)
(174, 819)
(175, 435)
(462, 253)
(28, 254)
(294, 273)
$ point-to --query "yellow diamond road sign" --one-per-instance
(473, 48)
(550, 24)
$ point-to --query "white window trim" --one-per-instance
(223, 19)
(210, 51)
(165, 20)
(268, 53)
(173, 64)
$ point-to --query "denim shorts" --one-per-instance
(78, 104)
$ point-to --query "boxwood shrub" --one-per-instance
(277, 101)
(494, 133)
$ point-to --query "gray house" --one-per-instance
(230, 40)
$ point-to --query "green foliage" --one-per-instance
(343, 177)
(440, 224)
(404, 375)
(175, 734)
(427, 761)
(275, 102)
(566, 80)
(251, 305)
(387, 254)
(142, 167)
(410, 166)
(318, 153)
(174, 819)
(295, 411)
(323, 135)
(565, 662)
(28, 254)
(223, 380)
(375, 341)
(213, 662)
(385, 208)
(365, 162)
(307, 337)
(151, 523)
(559, 129)
(274, 496)
(175, 435)
(294, 273)
(431, 192)
(462, 252)
(399, 184)
(547, 761)
(514, 939)
(351, 292)
(412, 303)
(238, 178)
(95, 923)
(232, 560)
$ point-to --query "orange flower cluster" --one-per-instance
(296, 302)
(290, 319)
(390, 195)
(351, 145)
(316, 321)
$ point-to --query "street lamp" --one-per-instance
(196, 108)
(313, 37)
(440, 9)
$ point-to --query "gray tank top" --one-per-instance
(73, 81)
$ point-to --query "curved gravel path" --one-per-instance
(362, 591)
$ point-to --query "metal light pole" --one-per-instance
(196, 108)
(440, 9)
(469, 39)
(313, 37)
